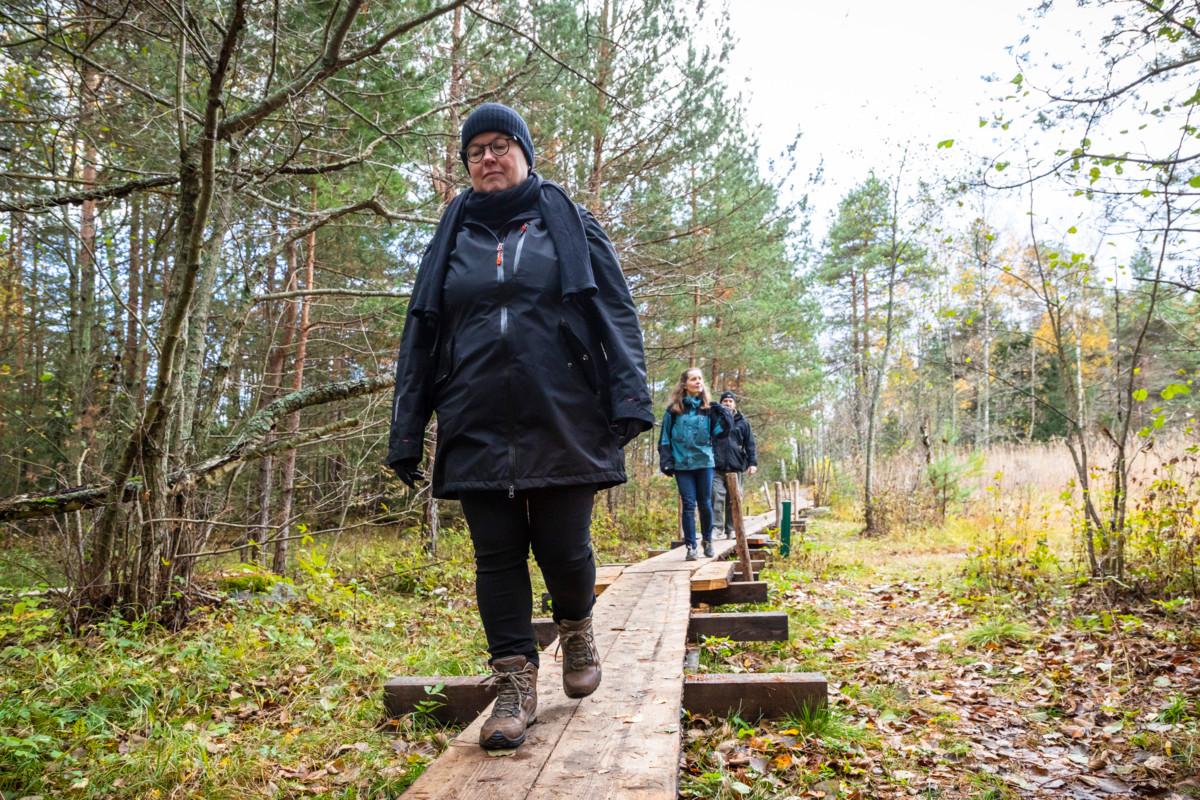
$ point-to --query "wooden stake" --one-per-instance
(733, 505)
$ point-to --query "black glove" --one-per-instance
(626, 430)
(407, 470)
(670, 473)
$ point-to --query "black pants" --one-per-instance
(556, 524)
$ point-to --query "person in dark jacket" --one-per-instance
(690, 426)
(734, 454)
(523, 338)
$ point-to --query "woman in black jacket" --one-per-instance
(523, 338)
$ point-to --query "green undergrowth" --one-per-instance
(271, 693)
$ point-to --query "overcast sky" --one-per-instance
(859, 81)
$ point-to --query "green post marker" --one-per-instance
(785, 529)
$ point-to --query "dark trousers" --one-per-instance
(556, 524)
(695, 489)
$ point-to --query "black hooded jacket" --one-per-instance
(737, 451)
(531, 388)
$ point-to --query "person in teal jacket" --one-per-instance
(690, 426)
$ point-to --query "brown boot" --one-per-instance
(581, 660)
(515, 709)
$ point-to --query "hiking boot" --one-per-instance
(581, 660)
(515, 708)
(693, 553)
(708, 548)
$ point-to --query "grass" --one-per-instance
(254, 699)
(998, 632)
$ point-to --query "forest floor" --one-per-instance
(943, 685)
(943, 682)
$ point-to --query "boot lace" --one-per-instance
(579, 648)
(511, 689)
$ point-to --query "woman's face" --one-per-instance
(494, 173)
(695, 382)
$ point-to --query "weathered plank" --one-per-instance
(676, 559)
(751, 696)
(736, 592)
(713, 575)
(606, 575)
(753, 626)
(757, 541)
(623, 741)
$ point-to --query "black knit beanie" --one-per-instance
(497, 117)
(729, 394)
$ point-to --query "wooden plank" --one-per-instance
(675, 559)
(606, 575)
(751, 696)
(713, 575)
(756, 541)
(623, 741)
(463, 697)
(737, 592)
(466, 772)
(750, 626)
(544, 631)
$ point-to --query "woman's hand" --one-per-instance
(626, 430)
(408, 470)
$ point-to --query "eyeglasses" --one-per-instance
(499, 146)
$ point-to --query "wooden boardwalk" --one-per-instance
(621, 742)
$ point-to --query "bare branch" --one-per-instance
(266, 298)
(34, 204)
(330, 62)
(249, 445)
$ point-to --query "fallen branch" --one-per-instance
(251, 444)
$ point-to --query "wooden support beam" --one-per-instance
(461, 699)
(736, 575)
(544, 631)
(750, 626)
(751, 696)
(756, 542)
(741, 592)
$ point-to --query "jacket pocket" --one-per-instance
(580, 357)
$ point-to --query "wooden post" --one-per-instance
(767, 494)
(733, 505)
(778, 507)
(795, 501)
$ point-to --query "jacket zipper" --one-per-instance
(512, 448)
(500, 272)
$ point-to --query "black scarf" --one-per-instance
(558, 213)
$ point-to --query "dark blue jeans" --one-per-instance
(695, 489)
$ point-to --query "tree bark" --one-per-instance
(288, 477)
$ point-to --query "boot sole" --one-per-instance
(498, 741)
